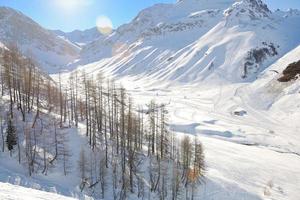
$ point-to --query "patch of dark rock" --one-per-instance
(240, 113)
(275, 71)
(257, 56)
(170, 59)
(291, 72)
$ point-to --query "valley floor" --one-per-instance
(251, 153)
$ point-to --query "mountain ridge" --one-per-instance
(51, 52)
(80, 37)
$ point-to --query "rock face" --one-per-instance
(50, 51)
(252, 9)
(291, 72)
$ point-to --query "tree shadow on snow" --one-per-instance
(192, 129)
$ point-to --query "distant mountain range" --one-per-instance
(80, 37)
(188, 41)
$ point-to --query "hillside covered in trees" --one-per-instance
(129, 149)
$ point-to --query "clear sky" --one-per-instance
(68, 15)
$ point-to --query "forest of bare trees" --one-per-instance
(130, 150)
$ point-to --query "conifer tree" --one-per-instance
(11, 137)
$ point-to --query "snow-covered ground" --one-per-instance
(54, 182)
(9, 192)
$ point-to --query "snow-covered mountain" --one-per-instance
(195, 40)
(80, 37)
(186, 42)
(215, 64)
(49, 50)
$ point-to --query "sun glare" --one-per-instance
(104, 25)
(72, 5)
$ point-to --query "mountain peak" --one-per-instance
(259, 5)
(207, 1)
(253, 9)
(209, 4)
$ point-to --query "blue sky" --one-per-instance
(68, 15)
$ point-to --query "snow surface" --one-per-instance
(9, 192)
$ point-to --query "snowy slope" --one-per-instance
(8, 192)
(180, 20)
(192, 41)
(50, 51)
(54, 182)
(279, 98)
